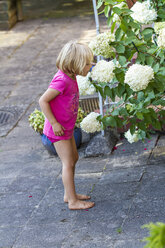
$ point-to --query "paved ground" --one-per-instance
(127, 186)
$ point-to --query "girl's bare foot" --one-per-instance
(80, 205)
(79, 197)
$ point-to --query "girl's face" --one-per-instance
(86, 69)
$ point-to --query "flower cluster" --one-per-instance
(90, 124)
(103, 71)
(158, 26)
(100, 45)
(131, 138)
(85, 86)
(143, 13)
(161, 38)
(138, 76)
(36, 120)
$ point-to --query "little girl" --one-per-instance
(60, 105)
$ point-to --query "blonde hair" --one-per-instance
(73, 58)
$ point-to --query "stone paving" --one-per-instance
(128, 186)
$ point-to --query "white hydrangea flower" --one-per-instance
(100, 45)
(85, 86)
(139, 76)
(161, 38)
(131, 138)
(103, 71)
(89, 124)
(143, 13)
(158, 26)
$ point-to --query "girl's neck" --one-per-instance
(72, 76)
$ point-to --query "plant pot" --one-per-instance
(50, 147)
(78, 136)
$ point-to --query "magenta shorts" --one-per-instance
(67, 135)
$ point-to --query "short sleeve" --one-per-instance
(58, 84)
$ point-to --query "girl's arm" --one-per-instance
(44, 100)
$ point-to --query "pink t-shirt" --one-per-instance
(64, 106)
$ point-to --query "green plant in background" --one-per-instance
(36, 120)
(137, 76)
(80, 116)
(157, 235)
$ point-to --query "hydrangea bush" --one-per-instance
(136, 79)
(143, 12)
(90, 124)
(85, 86)
(100, 45)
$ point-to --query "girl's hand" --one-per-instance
(58, 129)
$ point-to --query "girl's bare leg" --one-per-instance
(75, 156)
(67, 153)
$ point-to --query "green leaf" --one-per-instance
(123, 112)
(120, 48)
(110, 2)
(152, 50)
(156, 67)
(99, 4)
(121, 89)
(106, 10)
(156, 124)
(161, 71)
(122, 60)
(117, 10)
(141, 125)
(99, 89)
(109, 20)
(120, 77)
(115, 112)
(147, 33)
(139, 115)
(132, 129)
(119, 121)
(140, 96)
(151, 95)
(147, 118)
(159, 102)
(123, 27)
(160, 82)
(161, 13)
(118, 33)
(107, 91)
(110, 121)
(149, 60)
(141, 58)
(130, 33)
(134, 25)
(128, 40)
(113, 27)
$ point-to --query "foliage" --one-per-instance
(134, 41)
(80, 116)
(36, 120)
(157, 235)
